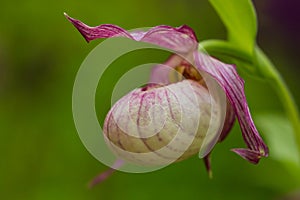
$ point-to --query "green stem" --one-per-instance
(226, 52)
(222, 47)
(283, 92)
(289, 105)
(261, 67)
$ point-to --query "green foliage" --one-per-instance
(280, 138)
(240, 20)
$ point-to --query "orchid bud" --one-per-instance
(174, 117)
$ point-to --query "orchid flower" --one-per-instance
(183, 40)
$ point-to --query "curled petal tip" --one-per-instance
(69, 18)
(106, 174)
(250, 155)
(207, 163)
(81, 27)
(100, 178)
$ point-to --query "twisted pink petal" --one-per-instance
(181, 39)
(104, 175)
(233, 85)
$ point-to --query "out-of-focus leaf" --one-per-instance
(280, 138)
(239, 18)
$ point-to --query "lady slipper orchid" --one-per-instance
(184, 41)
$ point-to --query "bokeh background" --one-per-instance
(42, 156)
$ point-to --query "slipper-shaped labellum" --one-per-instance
(148, 119)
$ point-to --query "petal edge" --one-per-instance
(233, 85)
(181, 39)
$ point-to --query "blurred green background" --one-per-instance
(42, 156)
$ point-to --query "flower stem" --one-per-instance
(289, 105)
(283, 93)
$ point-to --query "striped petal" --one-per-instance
(181, 39)
(233, 85)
